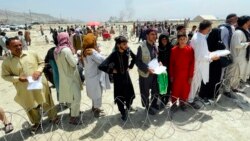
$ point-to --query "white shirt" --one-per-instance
(202, 59)
(238, 46)
(238, 50)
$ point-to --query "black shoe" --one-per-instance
(183, 107)
(162, 106)
(206, 101)
(238, 91)
(194, 105)
(173, 108)
(124, 117)
(151, 111)
(157, 107)
(229, 95)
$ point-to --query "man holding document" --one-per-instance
(17, 68)
(147, 79)
(202, 60)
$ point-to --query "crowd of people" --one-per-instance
(193, 68)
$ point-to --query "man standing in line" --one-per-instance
(202, 60)
(70, 85)
(147, 79)
(240, 50)
(16, 68)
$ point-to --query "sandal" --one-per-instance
(56, 120)
(96, 109)
(75, 121)
(35, 127)
(98, 113)
(8, 128)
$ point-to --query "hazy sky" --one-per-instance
(88, 10)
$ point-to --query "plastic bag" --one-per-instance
(163, 83)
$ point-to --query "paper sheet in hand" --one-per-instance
(160, 69)
(34, 84)
(154, 64)
(219, 53)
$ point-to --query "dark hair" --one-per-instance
(194, 26)
(162, 36)
(120, 39)
(180, 27)
(181, 35)
(149, 30)
(72, 29)
(11, 39)
(205, 24)
(19, 32)
(242, 20)
(231, 16)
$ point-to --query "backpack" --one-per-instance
(230, 32)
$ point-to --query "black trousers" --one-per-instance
(210, 89)
(147, 84)
(121, 103)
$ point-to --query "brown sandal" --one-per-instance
(98, 112)
(56, 120)
(8, 128)
(75, 121)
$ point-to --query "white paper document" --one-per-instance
(219, 53)
(34, 84)
(154, 64)
(160, 69)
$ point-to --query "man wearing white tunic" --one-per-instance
(69, 79)
(92, 59)
(202, 60)
(240, 48)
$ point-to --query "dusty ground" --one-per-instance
(226, 120)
